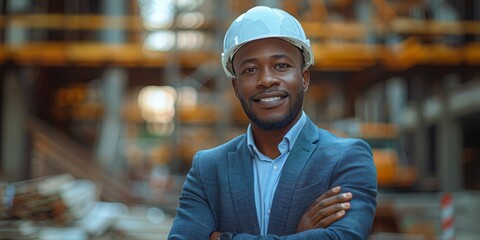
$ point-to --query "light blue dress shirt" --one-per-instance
(267, 171)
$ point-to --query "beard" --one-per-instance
(274, 124)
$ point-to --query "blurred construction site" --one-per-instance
(104, 102)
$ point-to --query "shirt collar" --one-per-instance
(289, 138)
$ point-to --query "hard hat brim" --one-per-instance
(227, 57)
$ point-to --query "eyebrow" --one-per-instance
(275, 56)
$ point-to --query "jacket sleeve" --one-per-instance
(355, 172)
(194, 218)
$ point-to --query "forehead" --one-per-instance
(268, 47)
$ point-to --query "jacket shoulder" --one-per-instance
(327, 137)
(220, 151)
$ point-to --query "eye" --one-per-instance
(281, 65)
(250, 70)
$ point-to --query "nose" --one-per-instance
(267, 79)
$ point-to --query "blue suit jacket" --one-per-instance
(218, 192)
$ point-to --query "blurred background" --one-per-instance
(103, 104)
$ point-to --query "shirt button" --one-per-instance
(268, 211)
(275, 167)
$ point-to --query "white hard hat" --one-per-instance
(264, 22)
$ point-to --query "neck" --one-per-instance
(267, 140)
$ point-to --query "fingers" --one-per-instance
(325, 222)
(325, 210)
(330, 193)
(329, 208)
(333, 211)
(330, 198)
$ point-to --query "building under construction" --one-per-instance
(81, 82)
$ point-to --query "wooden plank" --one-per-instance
(328, 55)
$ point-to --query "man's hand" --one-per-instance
(214, 235)
(326, 209)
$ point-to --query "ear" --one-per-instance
(306, 79)
(234, 85)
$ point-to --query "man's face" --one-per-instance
(269, 82)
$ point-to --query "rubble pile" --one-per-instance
(54, 201)
(58, 199)
(61, 207)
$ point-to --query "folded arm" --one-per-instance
(356, 174)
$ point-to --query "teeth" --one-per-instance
(270, 99)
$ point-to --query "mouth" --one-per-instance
(270, 100)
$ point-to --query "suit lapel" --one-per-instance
(240, 175)
(298, 157)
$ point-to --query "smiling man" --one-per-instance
(267, 83)
(285, 178)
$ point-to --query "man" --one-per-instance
(285, 178)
